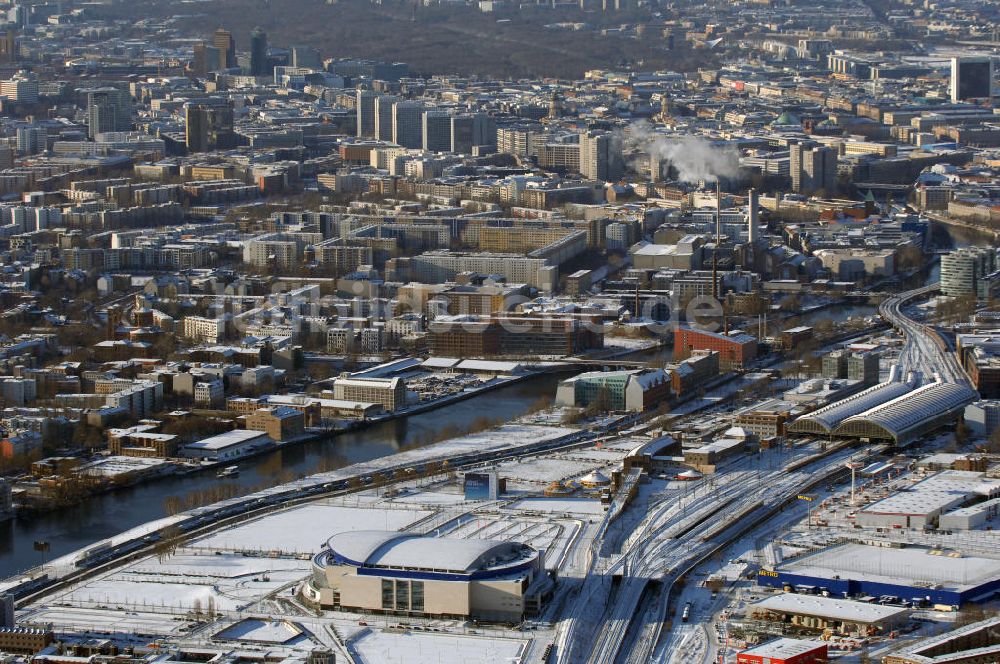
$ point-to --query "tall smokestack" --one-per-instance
(753, 219)
(718, 235)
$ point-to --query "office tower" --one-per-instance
(9, 49)
(258, 53)
(209, 125)
(407, 124)
(863, 367)
(835, 364)
(971, 78)
(600, 156)
(306, 57)
(223, 40)
(813, 168)
(471, 129)
(963, 271)
(383, 117)
(31, 140)
(437, 131)
(365, 109)
(22, 88)
(108, 109)
(207, 58)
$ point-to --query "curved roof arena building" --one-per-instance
(405, 574)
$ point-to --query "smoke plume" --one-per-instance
(694, 158)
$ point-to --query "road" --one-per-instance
(924, 352)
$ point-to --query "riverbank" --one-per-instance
(104, 515)
(179, 467)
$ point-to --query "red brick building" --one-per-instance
(735, 350)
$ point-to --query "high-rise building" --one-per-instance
(209, 125)
(963, 271)
(813, 167)
(223, 40)
(108, 109)
(383, 117)
(306, 57)
(472, 129)
(364, 106)
(864, 367)
(407, 124)
(600, 156)
(835, 364)
(22, 88)
(31, 140)
(520, 141)
(9, 49)
(971, 78)
(207, 58)
(437, 131)
(258, 53)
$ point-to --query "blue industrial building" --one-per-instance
(913, 574)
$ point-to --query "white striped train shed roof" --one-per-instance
(909, 411)
(828, 417)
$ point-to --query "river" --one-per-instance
(952, 237)
(108, 514)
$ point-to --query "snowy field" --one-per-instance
(306, 529)
(574, 506)
(546, 470)
(186, 581)
(404, 648)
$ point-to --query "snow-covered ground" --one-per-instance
(383, 647)
(575, 506)
(305, 529)
(185, 581)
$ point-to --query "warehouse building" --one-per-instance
(839, 616)
(377, 571)
(227, 446)
(785, 651)
(911, 573)
(971, 517)
(925, 501)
